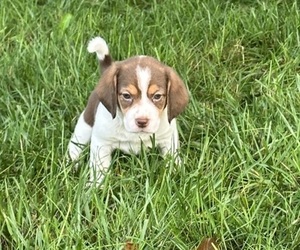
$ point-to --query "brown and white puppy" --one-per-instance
(133, 100)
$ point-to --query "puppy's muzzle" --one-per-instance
(142, 122)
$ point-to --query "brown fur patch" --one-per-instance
(90, 110)
(106, 89)
(105, 63)
(153, 88)
(177, 94)
(121, 76)
(133, 91)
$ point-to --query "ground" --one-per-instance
(239, 181)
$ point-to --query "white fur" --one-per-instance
(108, 134)
(143, 77)
(99, 46)
(80, 138)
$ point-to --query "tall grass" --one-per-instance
(240, 133)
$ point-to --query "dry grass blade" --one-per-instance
(208, 244)
(130, 246)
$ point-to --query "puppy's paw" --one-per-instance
(74, 150)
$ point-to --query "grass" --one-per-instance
(240, 133)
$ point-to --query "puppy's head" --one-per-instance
(143, 89)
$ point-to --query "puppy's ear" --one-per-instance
(177, 94)
(107, 89)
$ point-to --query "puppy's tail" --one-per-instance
(98, 45)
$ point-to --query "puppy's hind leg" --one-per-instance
(171, 146)
(80, 137)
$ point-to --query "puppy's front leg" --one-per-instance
(100, 159)
(80, 137)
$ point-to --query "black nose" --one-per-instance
(142, 122)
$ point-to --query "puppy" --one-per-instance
(134, 99)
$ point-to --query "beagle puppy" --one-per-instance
(134, 99)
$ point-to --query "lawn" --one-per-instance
(240, 176)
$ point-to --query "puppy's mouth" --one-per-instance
(144, 126)
(145, 130)
(142, 130)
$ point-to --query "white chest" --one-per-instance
(111, 132)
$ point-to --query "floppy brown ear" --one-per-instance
(177, 94)
(107, 89)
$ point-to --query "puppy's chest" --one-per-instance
(126, 141)
(111, 132)
(134, 146)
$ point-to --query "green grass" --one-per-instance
(240, 133)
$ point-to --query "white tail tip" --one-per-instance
(99, 46)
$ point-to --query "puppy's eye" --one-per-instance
(127, 96)
(157, 97)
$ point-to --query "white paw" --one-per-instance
(74, 150)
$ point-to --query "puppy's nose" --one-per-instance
(142, 122)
